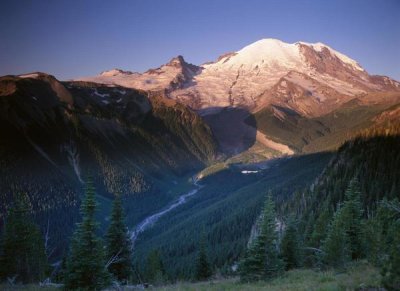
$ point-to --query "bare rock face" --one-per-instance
(311, 79)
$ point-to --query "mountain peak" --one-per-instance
(267, 42)
(115, 72)
(265, 52)
(177, 61)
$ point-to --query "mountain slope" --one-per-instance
(286, 96)
(372, 157)
(53, 134)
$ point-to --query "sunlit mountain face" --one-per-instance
(299, 97)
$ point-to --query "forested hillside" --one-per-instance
(308, 192)
(224, 209)
(373, 159)
(53, 134)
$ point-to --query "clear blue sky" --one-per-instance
(83, 37)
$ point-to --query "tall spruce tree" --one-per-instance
(119, 252)
(391, 265)
(353, 211)
(251, 267)
(345, 238)
(391, 268)
(155, 272)
(336, 247)
(291, 246)
(321, 225)
(86, 266)
(203, 270)
(262, 260)
(23, 255)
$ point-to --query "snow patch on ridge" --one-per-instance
(101, 95)
(33, 75)
(73, 158)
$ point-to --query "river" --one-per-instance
(150, 220)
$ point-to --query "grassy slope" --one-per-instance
(360, 275)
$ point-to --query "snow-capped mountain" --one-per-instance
(311, 79)
(168, 77)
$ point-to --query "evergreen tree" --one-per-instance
(310, 258)
(321, 225)
(378, 237)
(86, 267)
(374, 241)
(345, 238)
(23, 254)
(118, 244)
(291, 246)
(353, 211)
(391, 266)
(155, 272)
(336, 247)
(203, 270)
(262, 260)
(251, 267)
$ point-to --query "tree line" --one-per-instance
(91, 263)
(341, 237)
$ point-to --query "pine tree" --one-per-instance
(391, 266)
(291, 246)
(273, 263)
(23, 254)
(336, 247)
(321, 225)
(86, 267)
(310, 259)
(203, 270)
(118, 244)
(251, 267)
(155, 272)
(377, 234)
(262, 260)
(353, 211)
(345, 238)
(374, 241)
